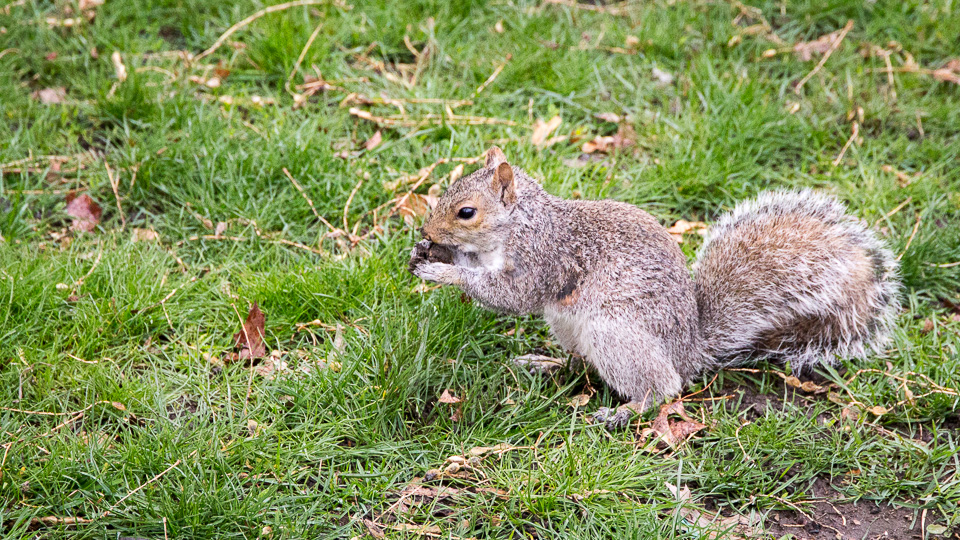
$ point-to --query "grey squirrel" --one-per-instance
(789, 276)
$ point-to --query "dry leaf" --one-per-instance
(414, 205)
(373, 141)
(608, 117)
(447, 397)
(663, 78)
(50, 96)
(579, 400)
(85, 213)
(805, 50)
(733, 527)
(498, 28)
(682, 226)
(878, 410)
(541, 130)
(624, 137)
(118, 67)
(673, 433)
(250, 338)
(145, 235)
(272, 367)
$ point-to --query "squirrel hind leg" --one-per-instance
(635, 365)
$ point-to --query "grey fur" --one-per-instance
(614, 287)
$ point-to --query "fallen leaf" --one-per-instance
(118, 68)
(271, 368)
(662, 77)
(220, 228)
(447, 397)
(250, 338)
(670, 432)
(682, 226)
(145, 235)
(85, 213)
(119, 406)
(608, 117)
(580, 400)
(541, 130)
(51, 56)
(414, 205)
(734, 527)
(607, 144)
(805, 50)
(632, 42)
(373, 141)
(498, 28)
(50, 96)
(878, 410)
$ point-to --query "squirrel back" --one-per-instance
(792, 276)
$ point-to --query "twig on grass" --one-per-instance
(894, 211)
(115, 185)
(265, 11)
(916, 226)
(395, 121)
(310, 202)
(826, 56)
(492, 76)
(619, 9)
(855, 131)
(299, 98)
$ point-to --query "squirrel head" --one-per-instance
(474, 212)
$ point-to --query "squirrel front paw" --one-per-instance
(444, 274)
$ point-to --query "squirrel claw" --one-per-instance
(614, 419)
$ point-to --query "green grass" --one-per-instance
(331, 448)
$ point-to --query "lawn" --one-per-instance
(166, 164)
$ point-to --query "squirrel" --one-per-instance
(789, 276)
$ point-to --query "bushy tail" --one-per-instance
(792, 276)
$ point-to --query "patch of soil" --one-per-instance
(180, 407)
(827, 519)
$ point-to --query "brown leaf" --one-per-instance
(373, 141)
(374, 529)
(541, 130)
(663, 78)
(682, 226)
(805, 50)
(447, 397)
(579, 400)
(414, 205)
(50, 96)
(119, 69)
(145, 235)
(250, 338)
(624, 137)
(878, 410)
(673, 433)
(608, 117)
(85, 213)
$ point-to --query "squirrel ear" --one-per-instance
(494, 157)
(503, 183)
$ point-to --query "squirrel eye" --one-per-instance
(466, 212)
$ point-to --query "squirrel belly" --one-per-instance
(789, 276)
